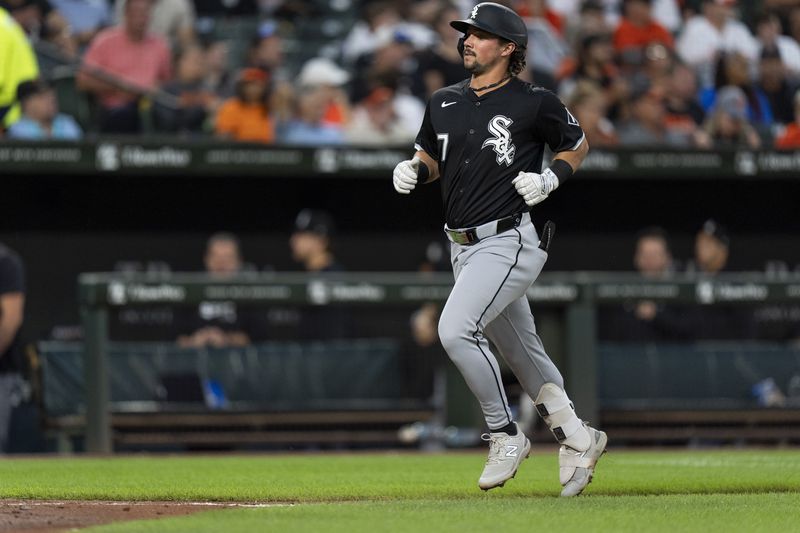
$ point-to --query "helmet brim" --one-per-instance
(464, 25)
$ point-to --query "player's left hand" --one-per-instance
(534, 187)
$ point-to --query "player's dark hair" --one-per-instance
(517, 62)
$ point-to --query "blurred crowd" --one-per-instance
(680, 73)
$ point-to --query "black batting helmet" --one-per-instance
(497, 20)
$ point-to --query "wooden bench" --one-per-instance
(232, 429)
(689, 426)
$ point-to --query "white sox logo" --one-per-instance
(501, 141)
(474, 12)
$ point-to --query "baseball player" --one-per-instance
(485, 138)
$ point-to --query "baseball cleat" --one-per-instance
(576, 468)
(506, 452)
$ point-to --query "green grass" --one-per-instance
(754, 490)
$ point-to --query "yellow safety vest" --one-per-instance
(17, 64)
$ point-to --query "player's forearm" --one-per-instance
(575, 157)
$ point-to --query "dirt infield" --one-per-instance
(56, 517)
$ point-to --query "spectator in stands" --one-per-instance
(705, 36)
(362, 39)
(727, 124)
(12, 305)
(308, 126)
(172, 19)
(647, 124)
(769, 35)
(46, 27)
(122, 64)
(266, 50)
(220, 324)
(18, 64)
(312, 246)
(547, 49)
(588, 104)
(647, 320)
(330, 78)
(683, 107)
(775, 86)
(595, 63)
(375, 121)
(246, 117)
(657, 64)
(266, 53)
(637, 29)
(40, 117)
(219, 78)
(441, 65)
(85, 17)
(790, 137)
(392, 58)
(195, 101)
(587, 18)
(419, 21)
(732, 71)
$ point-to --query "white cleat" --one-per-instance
(576, 468)
(506, 453)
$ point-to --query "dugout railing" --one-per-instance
(576, 294)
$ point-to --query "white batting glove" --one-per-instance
(405, 175)
(534, 187)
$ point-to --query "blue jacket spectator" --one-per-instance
(40, 117)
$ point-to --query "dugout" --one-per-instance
(149, 206)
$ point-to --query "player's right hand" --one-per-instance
(405, 175)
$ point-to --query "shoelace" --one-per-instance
(496, 446)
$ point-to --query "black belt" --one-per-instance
(470, 236)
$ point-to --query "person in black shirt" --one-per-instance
(311, 244)
(718, 321)
(215, 323)
(12, 304)
(646, 320)
(485, 138)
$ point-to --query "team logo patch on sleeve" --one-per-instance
(571, 120)
(501, 142)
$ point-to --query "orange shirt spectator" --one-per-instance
(637, 28)
(245, 117)
(629, 36)
(790, 137)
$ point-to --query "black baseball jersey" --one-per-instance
(12, 279)
(482, 142)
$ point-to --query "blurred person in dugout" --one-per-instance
(246, 116)
(220, 324)
(646, 320)
(40, 117)
(311, 244)
(139, 62)
(711, 257)
(12, 305)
